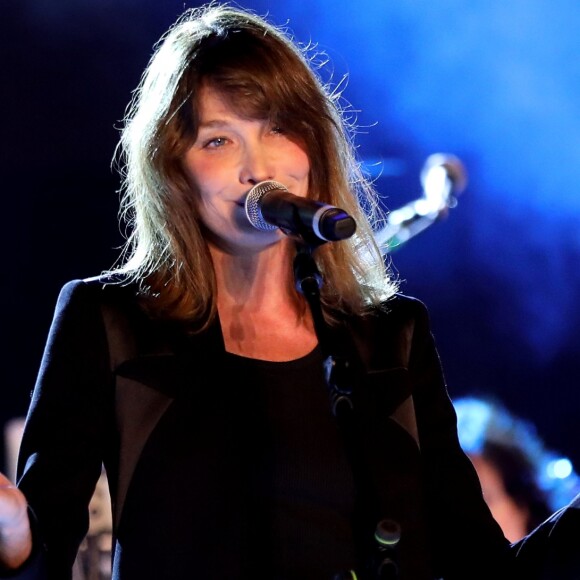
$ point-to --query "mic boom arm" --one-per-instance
(443, 178)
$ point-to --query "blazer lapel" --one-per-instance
(147, 384)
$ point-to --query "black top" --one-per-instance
(267, 446)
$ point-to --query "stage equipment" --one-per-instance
(443, 178)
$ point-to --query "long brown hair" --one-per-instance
(262, 73)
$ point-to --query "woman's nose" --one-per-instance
(257, 165)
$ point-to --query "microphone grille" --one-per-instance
(252, 204)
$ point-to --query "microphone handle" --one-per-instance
(302, 216)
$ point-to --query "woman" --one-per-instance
(248, 428)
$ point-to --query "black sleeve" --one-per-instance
(67, 428)
(467, 542)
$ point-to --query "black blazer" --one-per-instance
(109, 373)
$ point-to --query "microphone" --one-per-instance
(443, 178)
(269, 205)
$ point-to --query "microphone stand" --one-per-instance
(337, 369)
(340, 378)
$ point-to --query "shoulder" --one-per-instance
(398, 312)
(390, 332)
(81, 301)
(98, 288)
(404, 306)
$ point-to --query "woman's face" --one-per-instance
(230, 155)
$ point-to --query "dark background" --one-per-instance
(495, 83)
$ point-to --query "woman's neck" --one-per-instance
(261, 314)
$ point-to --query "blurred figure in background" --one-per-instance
(523, 482)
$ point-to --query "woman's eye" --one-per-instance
(278, 130)
(215, 142)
